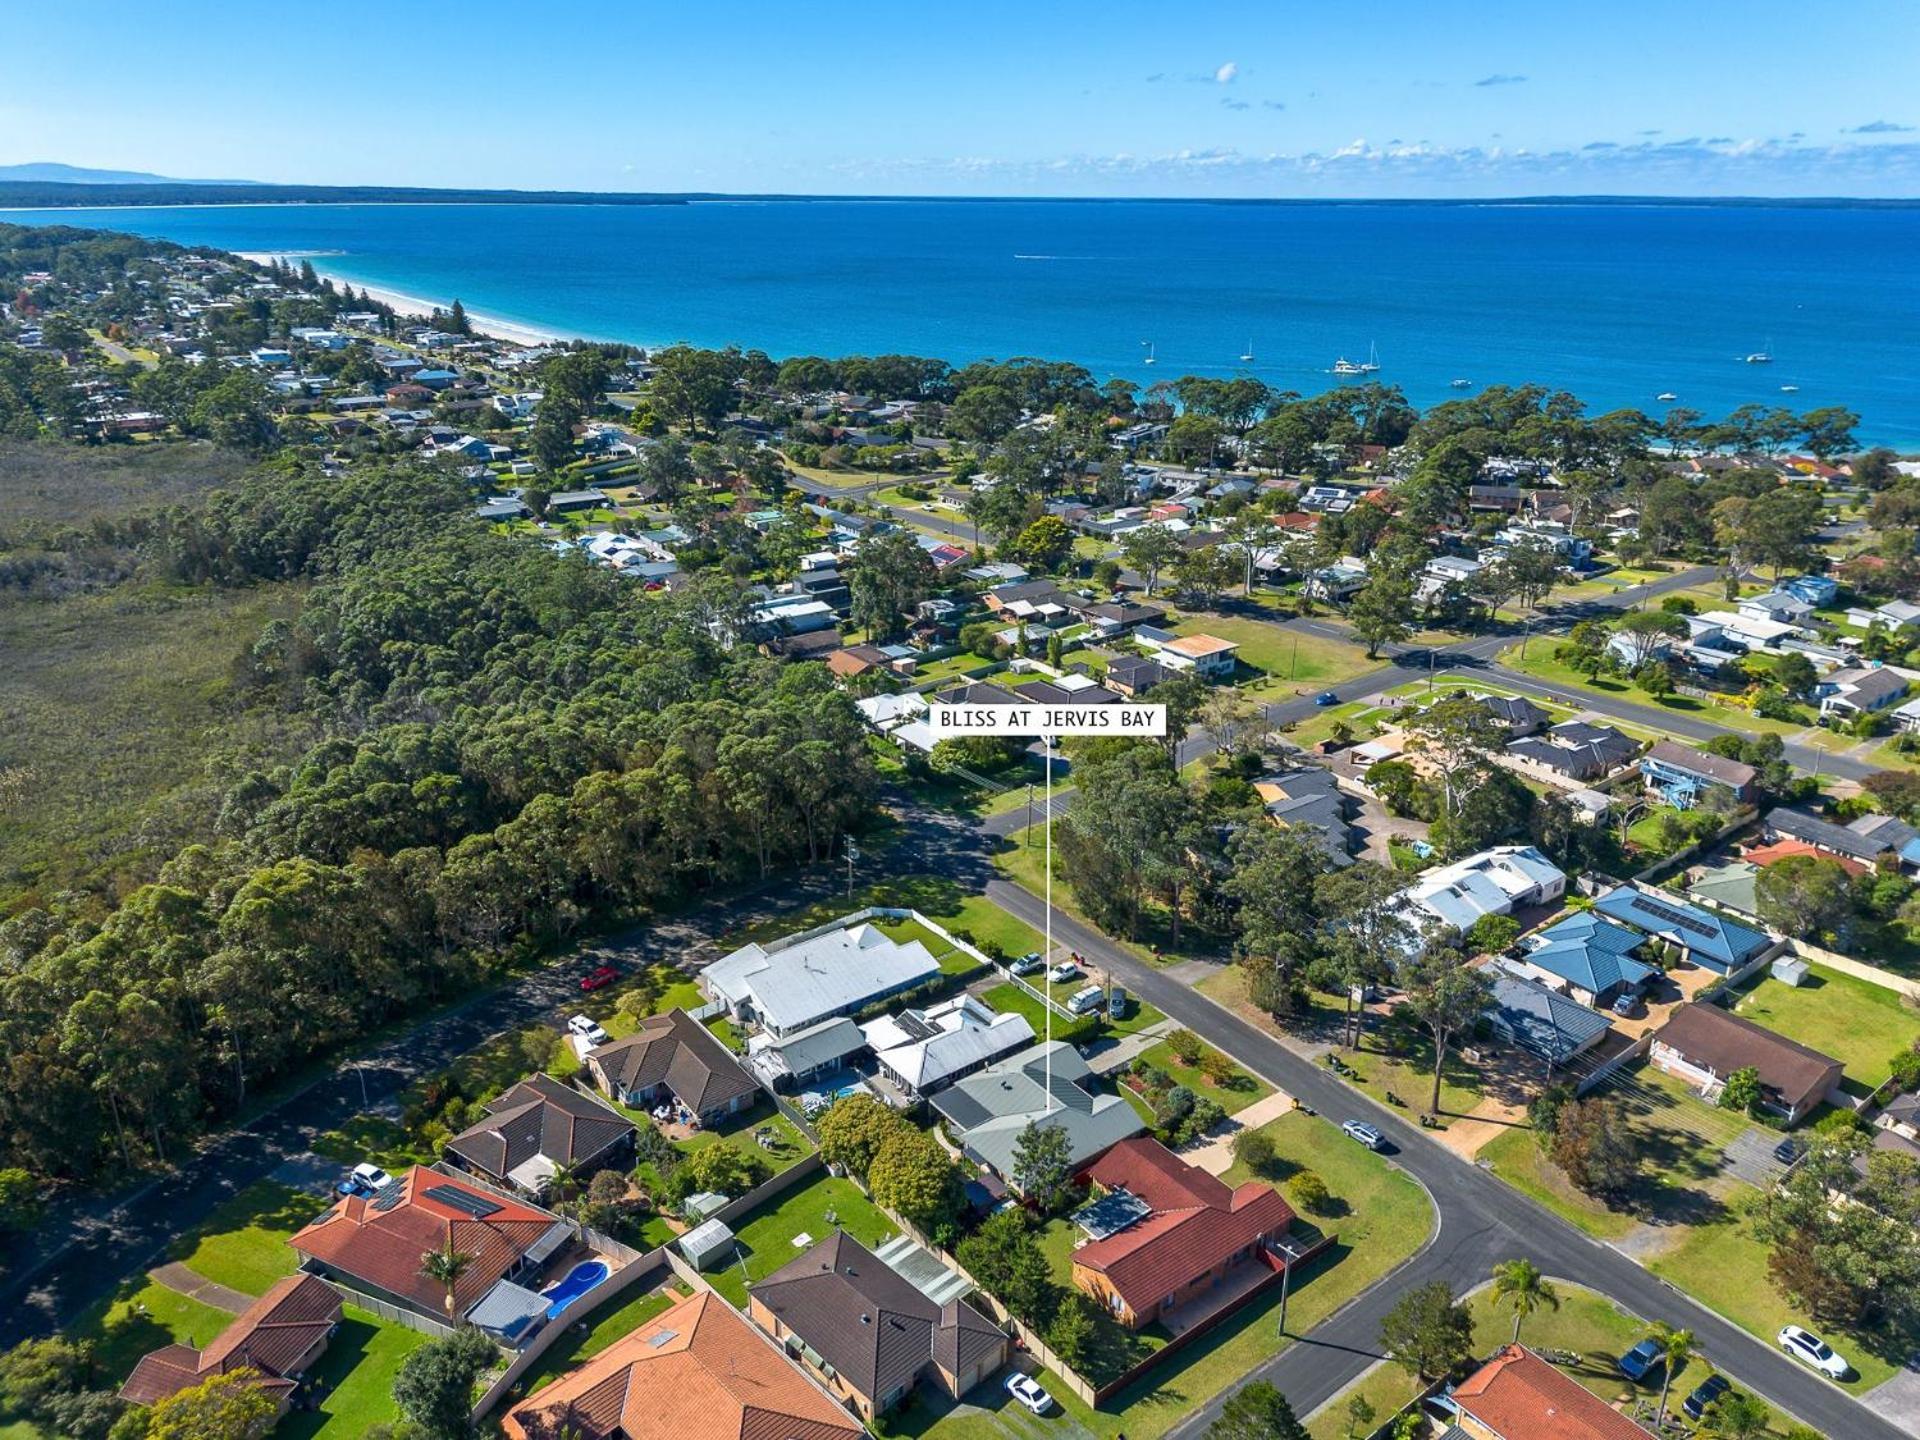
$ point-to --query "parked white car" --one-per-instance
(1364, 1133)
(1810, 1349)
(1066, 970)
(1029, 1393)
(587, 1029)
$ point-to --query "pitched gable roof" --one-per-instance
(380, 1241)
(677, 1050)
(1519, 1396)
(1196, 1223)
(869, 1322)
(1712, 1038)
(540, 1118)
(696, 1372)
(269, 1336)
(1590, 952)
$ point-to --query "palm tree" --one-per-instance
(565, 1180)
(446, 1266)
(1520, 1284)
(1679, 1348)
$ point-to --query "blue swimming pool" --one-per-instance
(575, 1283)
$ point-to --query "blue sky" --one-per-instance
(1281, 98)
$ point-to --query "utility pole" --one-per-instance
(1027, 839)
(853, 854)
(1286, 1284)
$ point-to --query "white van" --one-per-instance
(1086, 1000)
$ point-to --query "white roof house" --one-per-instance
(923, 1050)
(1494, 882)
(814, 976)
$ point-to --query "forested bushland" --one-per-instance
(514, 746)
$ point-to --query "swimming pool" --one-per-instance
(575, 1283)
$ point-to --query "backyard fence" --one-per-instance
(387, 1310)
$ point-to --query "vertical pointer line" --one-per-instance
(1046, 819)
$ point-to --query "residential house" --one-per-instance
(1070, 688)
(1310, 796)
(1539, 1019)
(1338, 581)
(1166, 1235)
(1112, 618)
(1906, 718)
(1816, 590)
(538, 1128)
(1708, 939)
(867, 1333)
(673, 1055)
(1572, 754)
(697, 1371)
(1704, 1044)
(1868, 847)
(1493, 882)
(1518, 1396)
(792, 983)
(1679, 775)
(856, 660)
(1895, 615)
(279, 1337)
(1859, 690)
(1515, 714)
(1047, 1085)
(374, 1244)
(568, 500)
(922, 1051)
(788, 1063)
(1588, 957)
(1779, 605)
(1728, 886)
(1891, 831)
(1133, 675)
(1207, 656)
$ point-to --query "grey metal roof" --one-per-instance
(798, 984)
(992, 1107)
(1539, 1020)
(508, 1309)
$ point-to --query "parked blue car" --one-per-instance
(1640, 1359)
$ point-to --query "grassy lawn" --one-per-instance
(1408, 1075)
(1024, 860)
(1008, 996)
(1240, 1089)
(1858, 1023)
(1539, 661)
(373, 1138)
(940, 900)
(1282, 657)
(594, 1332)
(948, 666)
(1724, 1267)
(788, 1145)
(767, 1236)
(356, 1375)
(1517, 1159)
(143, 1316)
(243, 1244)
(1382, 1218)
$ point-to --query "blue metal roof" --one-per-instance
(1541, 1021)
(1591, 952)
(1717, 942)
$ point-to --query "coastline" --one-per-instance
(413, 305)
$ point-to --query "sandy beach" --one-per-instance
(410, 304)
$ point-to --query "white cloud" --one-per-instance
(1226, 74)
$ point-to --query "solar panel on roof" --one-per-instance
(1111, 1213)
(387, 1198)
(477, 1206)
(1676, 917)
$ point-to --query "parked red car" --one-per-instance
(599, 979)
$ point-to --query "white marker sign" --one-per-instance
(953, 722)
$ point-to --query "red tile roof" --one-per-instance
(383, 1244)
(269, 1336)
(1764, 855)
(1198, 1222)
(1519, 1396)
(696, 1372)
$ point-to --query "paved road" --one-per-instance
(1482, 1220)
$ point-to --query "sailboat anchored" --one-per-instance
(1246, 355)
(1762, 356)
(1369, 366)
(1149, 345)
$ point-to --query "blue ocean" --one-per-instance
(1619, 303)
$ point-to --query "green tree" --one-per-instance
(1272, 880)
(694, 387)
(444, 1267)
(1808, 895)
(1446, 992)
(1310, 1192)
(1045, 544)
(853, 1129)
(1742, 1090)
(1042, 1164)
(1149, 550)
(1360, 1416)
(1678, 1347)
(1121, 836)
(226, 1406)
(1426, 1333)
(434, 1386)
(1003, 1255)
(1256, 1411)
(891, 575)
(913, 1177)
(1645, 632)
(1595, 1143)
(1737, 1415)
(1382, 613)
(1521, 1287)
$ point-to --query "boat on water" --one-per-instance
(1460, 384)
(1247, 355)
(1763, 356)
(1149, 345)
(1369, 366)
(1789, 389)
(1666, 395)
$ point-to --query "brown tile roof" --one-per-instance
(678, 1050)
(867, 1320)
(1764, 855)
(381, 1242)
(1519, 1396)
(1198, 1222)
(1711, 1037)
(269, 1336)
(539, 1116)
(697, 1372)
